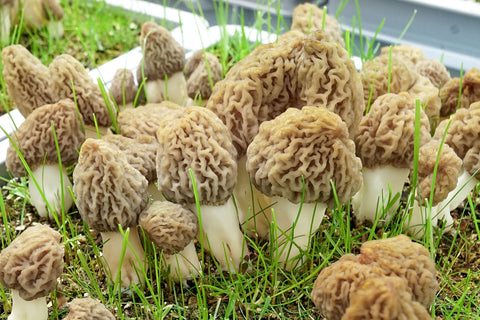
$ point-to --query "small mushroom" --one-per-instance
(469, 85)
(36, 141)
(203, 70)
(162, 65)
(435, 71)
(123, 88)
(30, 266)
(88, 309)
(110, 193)
(294, 159)
(173, 229)
(410, 54)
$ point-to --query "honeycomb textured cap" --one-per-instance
(305, 149)
(386, 133)
(36, 140)
(196, 140)
(26, 79)
(162, 54)
(203, 69)
(170, 226)
(108, 190)
(32, 262)
(470, 92)
(70, 79)
(88, 309)
(471, 161)
(435, 71)
(410, 54)
(123, 88)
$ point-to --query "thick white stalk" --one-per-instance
(50, 180)
(419, 216)
(222, 235)
(173, 89)
(380, 186)
(35, 309)
(293, 229)
(6, 23)
(133, 260)
(184, 265)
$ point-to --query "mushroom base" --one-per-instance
(173, 89)
(35, 309)
(184, 265)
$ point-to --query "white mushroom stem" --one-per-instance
(55, 29)
(133, 260)
(292, 229)
(221, 234)
(253, 209)
(50, 180)
(35, 309)
(184, 265)
(6, 23)
(419, 216)
(174, 89)
(380, 186)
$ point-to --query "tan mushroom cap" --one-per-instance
(471, 161)
(470, 87)
(123, 88)
(412, 55)
(170, 226)
(65, 70)
(386, 133)
(196, 140)
(203, 70)
(108, 190)
(141, 152)
(304, 149)
(447, 167)
(146, 119)
(308, 17)
(35, 137)
(32, 262)
(385, 298)
(427, 93)
(435, 71)
(26, 79)
(162, 54)
(88, 309)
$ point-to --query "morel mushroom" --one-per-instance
(435, 71)
(123, 88)
(294, 159)
(110, 194)
(36, 141)
(88, 309)
(203, 70)
(30, 266)
(466, 89)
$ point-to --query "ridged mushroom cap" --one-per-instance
(410, 54)
(450, 92)
(471, 161)
(123, 88)
(170, 226)
(35, 137)
(26, 79)
(386, 133)
(203, 70)
(32, 262)
(108, 190)
(66, 71)
(304, 149)
(88, 309)
(427, 93)
(196, 140)
(435, 71)
(162, 54)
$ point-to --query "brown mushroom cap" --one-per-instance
(427, 93)
(26, 79)
(36, 141)
(471, 161)
(410, 54)
(304, 149)
(32, 263)
(201, 68)
(66, 71)
(123, 88)
(170, 226)
(435, 71)
(386, 133)
(162, 54)
(449, 93)
(448, 170)
(88, 309)
(196, 140)
(108, 190)
(52, 9)
(384, 298)
(308, 17)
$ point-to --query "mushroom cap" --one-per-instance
(386, 133)
(449, 93)
(170, 226)
(384, 298)
(435, 71)
(88, 309)
(123, 88)
(304, 149)
(35, 137)
(108, 190)
(53, 10)
(141, 152)
(427, 93)
(66, 71)
(471, 161)
(196, 140)
(448, 170)
(32, 262)
(26, 79)
(308, 17)
(410, 54)
(162, 54)
(146, 119)
(199, 69)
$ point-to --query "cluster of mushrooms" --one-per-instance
(290, 131)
